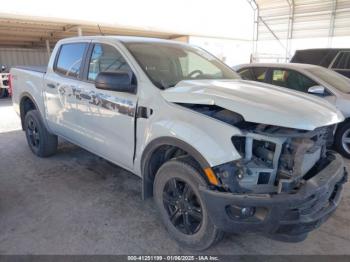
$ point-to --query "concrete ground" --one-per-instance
(77, 203)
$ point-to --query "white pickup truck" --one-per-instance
(217, 153)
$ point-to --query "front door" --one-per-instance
(108, 117)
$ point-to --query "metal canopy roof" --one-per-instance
(303, 18)
(285, 20)
(34, 33)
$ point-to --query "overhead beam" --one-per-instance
(16, 24)
(15, 44)
(70, 28)
(20, 38)
(273, 33)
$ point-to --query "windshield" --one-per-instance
(166, 64)
(332, 78)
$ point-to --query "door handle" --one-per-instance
(51, 85)
(144, 112)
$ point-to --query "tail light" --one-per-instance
(10, 85)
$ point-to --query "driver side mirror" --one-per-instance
(116, 81)
(317, 90)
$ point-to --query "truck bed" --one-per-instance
(39, 69)
(29, 80)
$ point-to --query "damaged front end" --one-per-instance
(286, 183)
(277, 159)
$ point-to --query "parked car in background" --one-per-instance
(4, 81)
(311, 79)
(336, 59)
(216, 152)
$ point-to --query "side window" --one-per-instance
(292, 80)
(106, 58)
(70, 58)
(342, 61)
(305, 82)
(279, 77)
(260, 74)
(192, 61)
(246, 74)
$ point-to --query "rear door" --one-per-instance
(62, 113)
(291, 79)
(295, 80)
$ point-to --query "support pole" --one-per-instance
(255, 8)
(48, 49)
(80, 31)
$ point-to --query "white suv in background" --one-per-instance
(312, 79)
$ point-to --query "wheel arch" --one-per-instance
(26, 103)
(154, 156)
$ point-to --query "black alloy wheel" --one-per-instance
(183, 207)
(40, 141)
(33, 134)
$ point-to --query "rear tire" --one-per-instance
(40, 141)
(342, 139)
(184, 213)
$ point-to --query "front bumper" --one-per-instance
(284, 216)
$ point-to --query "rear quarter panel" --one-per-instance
(27, 83)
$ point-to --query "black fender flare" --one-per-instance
(147, 179)
(26, 94)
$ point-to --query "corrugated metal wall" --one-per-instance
(22, 56)
(312, 18)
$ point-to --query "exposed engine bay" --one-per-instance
(274, 159)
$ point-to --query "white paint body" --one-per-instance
(110, 134)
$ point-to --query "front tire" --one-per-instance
(40, 141)
(183, 211)
(342, 139)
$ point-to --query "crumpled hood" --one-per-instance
(257, 102)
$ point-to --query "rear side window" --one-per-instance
(69, 61)
(278, 77)
(342, 61)
(260, 73)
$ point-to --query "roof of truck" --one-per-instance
(125, 39)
